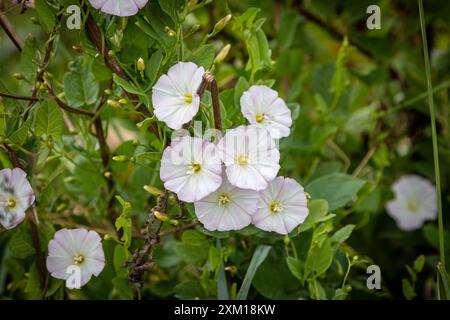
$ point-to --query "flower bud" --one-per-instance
(121, 158)
(231, 269)
(123, 101)
(153, 190)
(113, 103)
(107, 175)
(111, 53)
(222, 54)
(140, 64)
(107, 92)
(222, 23)
(18, 76)
(170, 32)
(174, 222)
(160, 216)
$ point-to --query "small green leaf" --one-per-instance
(295, 266)
(342, 234)
(80, 87)
(419, 263)
(124, 222)
(337, 188)
(47, 16)
(319, 259)
(49, 120)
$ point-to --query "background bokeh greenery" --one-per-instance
(358, 97)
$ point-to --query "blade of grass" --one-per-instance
(433, 133)
(222, 288)
(258, 258)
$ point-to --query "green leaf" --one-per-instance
(203, 56)
(319, 259)
(127, 86)
(342, 234)
(316, 290)
(153, 65)
(295, 266)
(20, 136)
(337, 188)
(47, 16)
(124, 222)
(419, 263)
(193, 247)
(258, 258)
(172, 8)
(20, 245)
(408, 290)
(80, 87)
(28, 66)
(190, 290)
(49, 120)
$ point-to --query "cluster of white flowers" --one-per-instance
(234, 183)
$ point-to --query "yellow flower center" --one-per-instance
(224, 199)
(242, 160)
(260, 117)
(78, 259)
(188, 98)
(276, 207)
(194, 168)
(11, 203)
(413, 205)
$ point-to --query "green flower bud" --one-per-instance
(140, 64)
(121, 158)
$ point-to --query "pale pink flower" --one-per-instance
(415, 202)
(121, 8)
(251, 157)
(191, 168)
(174, 96)
(28, 3)
(282, 206)
(16, 196)
(75, 247)
(262, 107)
(227, 208)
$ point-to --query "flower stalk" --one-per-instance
(433, 134)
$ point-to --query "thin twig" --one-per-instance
(341, 154)
(9, 30)
(364, 162)
(18, 97)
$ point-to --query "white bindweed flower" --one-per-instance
(262, 107)
(75, 248)
(175, 99)
(16, 196)
(415, 202)
(282, 206)
(191, 168)
(228, 208)
(251, 157)
(121, 8)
